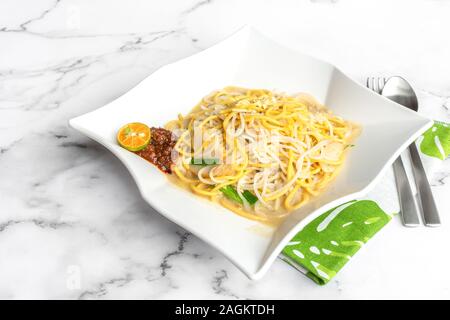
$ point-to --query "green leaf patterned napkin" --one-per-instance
(327, 243)
(436, 141)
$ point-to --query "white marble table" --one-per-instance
(72, 224)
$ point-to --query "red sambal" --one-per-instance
(159, 150)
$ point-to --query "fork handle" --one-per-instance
(408, 209)
(429, 210)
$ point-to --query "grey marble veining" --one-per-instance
(72, 224)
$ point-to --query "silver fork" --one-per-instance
(408, 208)
(376, 84)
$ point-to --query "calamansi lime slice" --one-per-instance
(134, 136)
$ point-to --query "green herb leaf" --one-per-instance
(204, 162)
(232, 194)
(250, 197)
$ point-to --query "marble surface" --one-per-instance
(72, 224)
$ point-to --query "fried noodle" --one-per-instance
(283, 149)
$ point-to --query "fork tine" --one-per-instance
(375, 85)
(370, 83)
(381, 83)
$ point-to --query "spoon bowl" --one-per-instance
(399, 90)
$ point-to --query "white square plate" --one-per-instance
(249, 59)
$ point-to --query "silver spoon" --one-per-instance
(399, 90)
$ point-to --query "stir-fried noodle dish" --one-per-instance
(259, 153)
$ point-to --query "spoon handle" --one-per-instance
(429, 209)
(408, 208)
